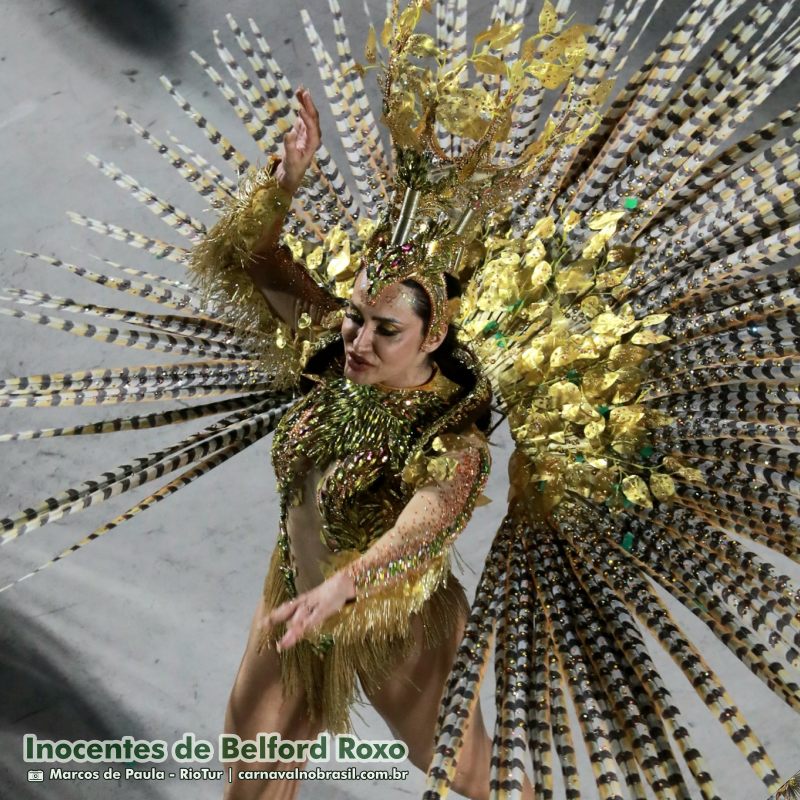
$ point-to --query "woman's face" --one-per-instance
(383, 342)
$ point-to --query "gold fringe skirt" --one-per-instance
(329, 680)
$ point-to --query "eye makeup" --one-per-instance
(353, 314)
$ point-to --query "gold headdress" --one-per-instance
(453, 164)
(394, 255)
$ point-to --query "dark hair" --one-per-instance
(445, 354)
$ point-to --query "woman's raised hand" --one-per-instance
(299, 144)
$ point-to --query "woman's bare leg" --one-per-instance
(258, 704)
(409, 704)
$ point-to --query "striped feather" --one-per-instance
(156, 247)
(184, 479)
(147, 291)
(135, 422)
(248, 424)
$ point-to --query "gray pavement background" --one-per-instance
(141, 633)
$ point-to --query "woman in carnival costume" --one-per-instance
(359, 589)
(628, 302)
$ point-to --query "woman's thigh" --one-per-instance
(258, 704)
(409, 702)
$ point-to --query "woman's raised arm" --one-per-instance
(240, 262)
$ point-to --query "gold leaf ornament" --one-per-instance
(498, 35)
(534, 311)
(564, 355)
(517, 77)
(628, 385)
(371, 47)
(621, 255)
(654, 319)
(528, 49)
(570, 221)
(403, 118)
(537, 147)
(533, 358)
(577, 279)
(337, 244)
(563, 392)
(627, 355)
(595, 428)
(487, 64)
(442, 468)
(592, 306)
(597, 381)
(465, 111)
(601, 92)
(294, 244)
(551, 76)
(365, 228)
(610, 323)
(547, 18)
(422, 45)
(540, 276)
(612, 277)
(662, 486)
(683, 470)
(570, 43)
(314, 258)
(606, 218)
(386, 32)
(449, 78)
(488, 33)
(596, 243)
(626, 419)
(544, 228)
(408, 20)
(581, 413)
(635, 489)
(650, 337)
(534, 253)
(505, 35)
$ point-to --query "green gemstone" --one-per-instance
(631, 203)
(627, 541)
(491, 326)
(542, 484)
(574, 376)
(580, 459)
(646, 451)
(604, 410)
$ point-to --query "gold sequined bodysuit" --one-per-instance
(345, 457)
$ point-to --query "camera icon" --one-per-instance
(35, 775)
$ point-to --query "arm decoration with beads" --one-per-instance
(448, 487)
(251, 280)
